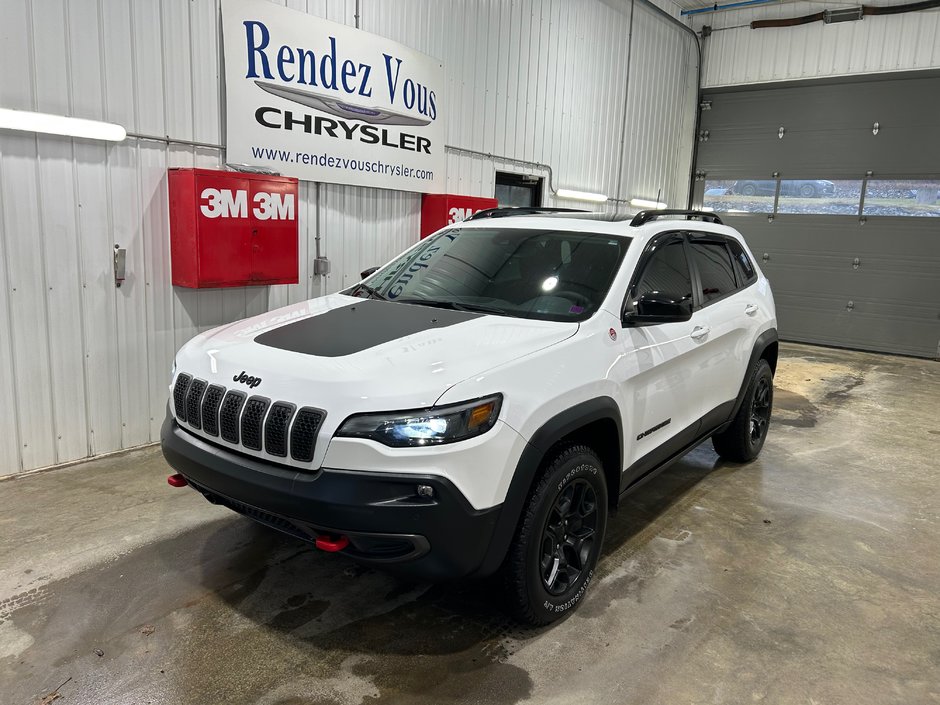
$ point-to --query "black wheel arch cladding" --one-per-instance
(592, 415)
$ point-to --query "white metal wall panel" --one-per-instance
(736, 54)
(84, 365)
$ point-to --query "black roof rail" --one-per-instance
(646, 216)
(528, 210)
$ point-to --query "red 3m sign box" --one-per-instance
(232, 229)
(440, 209)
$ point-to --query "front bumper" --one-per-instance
(438, 538)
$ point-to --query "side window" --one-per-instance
(714, 268)
(666, 271)
(744, 262)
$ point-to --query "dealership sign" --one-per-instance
(325, 102)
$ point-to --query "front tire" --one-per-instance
(553, 556)
(742, 441)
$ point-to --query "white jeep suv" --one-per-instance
(484, 400)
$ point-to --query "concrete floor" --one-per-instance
(809, 576)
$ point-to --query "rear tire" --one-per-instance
(742, 441)
(552, 559)
(749, 190)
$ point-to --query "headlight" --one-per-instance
(442, 424)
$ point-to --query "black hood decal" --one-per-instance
(359, 326)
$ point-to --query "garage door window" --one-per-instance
(714, 268)
(904, 197)
(742, 196)
(819, 197)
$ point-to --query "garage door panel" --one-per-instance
(817, 154)
(909, 103)
(828, 130)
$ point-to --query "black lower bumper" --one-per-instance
(430, 538)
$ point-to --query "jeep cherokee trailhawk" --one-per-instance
(481, 402)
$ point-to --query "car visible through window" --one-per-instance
(552, 275)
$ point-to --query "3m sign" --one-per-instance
(232, 229)
(225, 203)
(439, 210)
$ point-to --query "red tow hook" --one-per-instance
(332, 545)
(176, 480)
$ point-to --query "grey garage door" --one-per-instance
(836, 187)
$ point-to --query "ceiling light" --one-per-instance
(60, 125)
(549, 283)
(581, 195)
(845, 14)
(643, 203)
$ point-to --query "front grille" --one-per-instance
(252, 418)
(303, 435)
(230, 414)
(210, 409)
(179, 395)
(275, 429)
(194, 401)
(255, 423)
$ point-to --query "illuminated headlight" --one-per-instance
(442, 424)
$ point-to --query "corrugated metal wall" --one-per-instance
(736, 54)
(84, 365)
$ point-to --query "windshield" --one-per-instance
(552, 275)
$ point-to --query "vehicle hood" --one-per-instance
(347, 354)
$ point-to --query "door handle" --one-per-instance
(699, 332)
(750, 309)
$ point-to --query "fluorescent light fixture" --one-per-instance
(581, 195)
(736, 210)
(643, 203)
(60, 125)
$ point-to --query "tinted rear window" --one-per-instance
(715, 269)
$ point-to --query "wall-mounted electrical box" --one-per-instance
(440, 209)
(230, 228)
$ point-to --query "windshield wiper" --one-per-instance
(455, 305)
(371, 292)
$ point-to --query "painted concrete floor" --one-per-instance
(809, 576)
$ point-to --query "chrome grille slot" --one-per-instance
(230, 414)
(252, 418)
(179, 395)
(194, 402)
(275, 428)
(303, 435)
(210, 409)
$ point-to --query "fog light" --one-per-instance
(425, 491)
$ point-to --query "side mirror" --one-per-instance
(659, 307)
(367, 272)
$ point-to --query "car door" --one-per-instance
(660, 365)
(726, 314)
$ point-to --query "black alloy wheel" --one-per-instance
(760, 410)
(568, 537)
(744, 437)
(553, 556)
